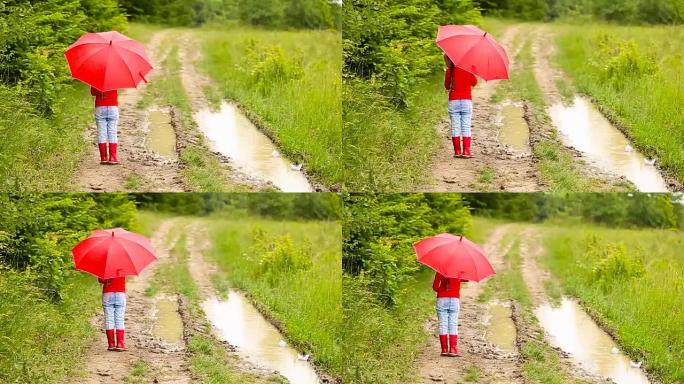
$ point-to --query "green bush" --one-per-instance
(266, 65)
(612, 264)
(279, 256)
(622, 61)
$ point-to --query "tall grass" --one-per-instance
(306, 302)
(647, 105)
(302, 111)
(637, 291)
(43, 341)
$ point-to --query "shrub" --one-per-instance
(278, 256)
(266, 65)
(622, 61)
(612, 264)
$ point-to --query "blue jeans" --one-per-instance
(114, 304)
(107, 118)
(461, 114)
(447, 313)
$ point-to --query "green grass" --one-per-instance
(645, 313)
(303, 115)
(306, 303)
(648, 107)
(387, 149)
(472, 374)
(44, 341)
(138, 373)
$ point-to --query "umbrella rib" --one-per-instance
(128, 68)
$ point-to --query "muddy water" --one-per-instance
(500, 327)
(234, 136)
(168, 324)
(257, 340)
(161, 137)
(514, 130)
(586, 129)
(572, 330)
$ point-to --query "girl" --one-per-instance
(460, 83)
(448, 304)
(114, 304)
(107, 117)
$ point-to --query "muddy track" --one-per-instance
(512, 170)
(141, 169)
(167, 363)
(494, 365)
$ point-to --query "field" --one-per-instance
(636, 76)
(289, 83)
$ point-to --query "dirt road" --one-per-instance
(167, 363)
(494, 365)
(142, 169)
(494, 166)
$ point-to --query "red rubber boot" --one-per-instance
(103, 152)
(120, 344)
(444, 342)
(110, 339)
(112, 154)
(466, 147)
(453, 345)
(457, 146)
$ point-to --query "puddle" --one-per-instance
(586, 129)
(500, 327)
(257, 340)
(161, 137)
(233, 135)
(572, 330)
(514, 130)
(168, 324)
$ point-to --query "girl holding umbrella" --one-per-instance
(468, 51)
(454, 259)
(111, 255)
(107, 62)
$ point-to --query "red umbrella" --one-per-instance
(474, 50)
(454, 257)
(108, 61)
(113, 253)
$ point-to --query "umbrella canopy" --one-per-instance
(474, 50)
(113, 253)
(454, 257)
(108, 60)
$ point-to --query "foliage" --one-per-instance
(611, 209)
(622, 61)
(280, 256)
(379, 231)
(39, 231)
(397, 48)
(34, 36)
(269, 13)
(269, 65)
(628, 11)
(295, 206)
(612, 264)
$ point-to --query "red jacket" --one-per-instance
(446, 287)
(117, 284)
(460, 83)
(105, 99)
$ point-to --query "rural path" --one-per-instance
(478, 354)
(494, 365)
(166, 362)
(140, 169)
(510, 170)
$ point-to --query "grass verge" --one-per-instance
(289, 82)
(631, 281)
(292, 271)
(636, 76)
